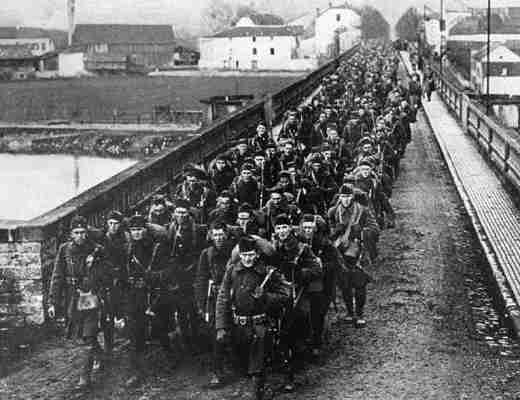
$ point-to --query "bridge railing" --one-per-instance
(28, 248)
(498, 144)
(132, 187)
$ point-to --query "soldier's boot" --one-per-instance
(85, 375)
(137, 371)
(259, 387)
(361, 295)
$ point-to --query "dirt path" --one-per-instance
(432, 332)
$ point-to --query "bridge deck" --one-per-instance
(491, 204)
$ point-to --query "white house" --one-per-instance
(334, 19)
(34, 39)
(504, 76)
(71, 64)
(254, 47)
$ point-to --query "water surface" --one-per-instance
(31, 185)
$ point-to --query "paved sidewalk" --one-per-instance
(494, 214)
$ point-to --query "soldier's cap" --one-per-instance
(276, 190)
(315, 158)
(225, 194)
(366, 162)
(308, 218)
(291, 164)
(283, 142)
(285, 174)
(78, 222)
(115, 215)
(259, 154)
(364, 140)
(222, 157)
(332, 126)
(245, 208)
(159, 199)
(246, 244)
(346, 189)
(282, 219)
(219, 224)
(182, 203)
(261, 123)
(292, 112)
(137, 221)
(195, 172)
(270, 145)
(247, 167)
(326, 147)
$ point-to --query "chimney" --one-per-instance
(330, 4)
(71, 16)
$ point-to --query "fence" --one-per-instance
(497, 143)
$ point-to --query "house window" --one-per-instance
(254, 51)
(254, 38)
(504, 72)
(43, 46)
(272, 51)
(338, 17)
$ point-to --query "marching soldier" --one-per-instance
(145, 269)
(76, 283)
(321, 291)
(300, 267)
(348, 219)
(184, 240)
(250, 292)
(115, 242)
(212, 266)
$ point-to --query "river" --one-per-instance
(31, 185)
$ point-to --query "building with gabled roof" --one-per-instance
(337, 28)
(154, 44)
(248, 46)
(504, 70)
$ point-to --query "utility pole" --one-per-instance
(441, 28)
(488, 61)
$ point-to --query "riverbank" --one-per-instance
(99, 143)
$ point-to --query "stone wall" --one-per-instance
(21, 299)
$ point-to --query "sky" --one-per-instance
(184, 14)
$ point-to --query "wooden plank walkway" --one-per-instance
(498, 218)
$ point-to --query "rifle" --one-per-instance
(262, 184)
(208, 299)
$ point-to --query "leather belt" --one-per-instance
(244, 320)
(136, 282)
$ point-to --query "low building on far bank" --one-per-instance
(504, 70)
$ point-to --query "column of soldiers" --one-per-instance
(250, 251)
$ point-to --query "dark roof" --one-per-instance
(24, 32)
(100, 33)
(16, 52)
(266, 19)
(242, 31)
(337, 7)
(482, 53)
(8, 32)
(478, 25)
